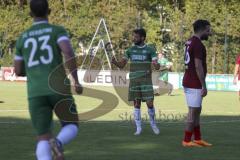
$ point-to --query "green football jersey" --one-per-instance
(163, 74)
(38, 48)
(140, 60)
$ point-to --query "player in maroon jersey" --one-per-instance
(194, 82)
(236, 79)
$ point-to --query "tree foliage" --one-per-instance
(168, 24)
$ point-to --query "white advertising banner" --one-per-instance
(121, 79)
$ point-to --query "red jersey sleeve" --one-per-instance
(238, 60)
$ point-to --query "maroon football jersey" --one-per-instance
(238, 62)
(194, 48)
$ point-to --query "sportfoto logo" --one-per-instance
(160, 116)
(119, 80)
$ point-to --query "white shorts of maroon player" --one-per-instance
(193, 97)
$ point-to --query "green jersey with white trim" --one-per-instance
(38, 48)
(140, 60)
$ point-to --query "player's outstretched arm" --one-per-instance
(119, 64)
(19, 68)
(70, 63)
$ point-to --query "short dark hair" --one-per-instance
(200, 25)
(39, 7)
(140, 31)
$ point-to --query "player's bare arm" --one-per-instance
(120, 64)
(156, 64)
(235, 74)
(200, 74)
(19, 68)
(164, 68)
(70, 63)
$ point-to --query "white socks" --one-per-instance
(67, 133)
(43, 151)
(151, 113)
(137, 117)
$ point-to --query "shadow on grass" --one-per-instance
(114, 140)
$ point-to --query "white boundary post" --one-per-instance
(101, 42)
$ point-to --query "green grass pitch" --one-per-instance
(110, 137)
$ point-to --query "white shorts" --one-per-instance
(193, 97)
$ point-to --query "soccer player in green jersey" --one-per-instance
(165, 66)
(141, 57)
(39, 51)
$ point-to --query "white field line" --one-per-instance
(25, 110)
(167, 110)
(126, 123)
(13, 110)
